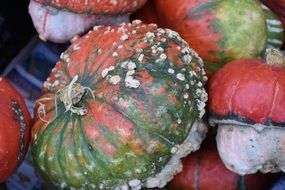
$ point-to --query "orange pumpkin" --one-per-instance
(15, 122)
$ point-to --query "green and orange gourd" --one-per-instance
(219, 30)
(120, 109)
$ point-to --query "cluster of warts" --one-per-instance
(156, 39)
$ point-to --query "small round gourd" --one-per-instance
(246, 101)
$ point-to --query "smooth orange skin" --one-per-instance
(250, 89)
(96, 7)
(10, 140)
(214, 175)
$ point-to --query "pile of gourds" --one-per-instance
(127, 101)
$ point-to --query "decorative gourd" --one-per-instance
(275, 31)
(204, 170)
(246, 100)
(120, 109)
(60, 20)
(15, 123)
(219, 30)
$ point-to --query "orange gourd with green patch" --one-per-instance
(219, 30)
(120, 109)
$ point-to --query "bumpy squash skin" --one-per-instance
(246, 100)
(95, 6)
(15, 123)
(147, 95)
(219, 30)
(205, 170)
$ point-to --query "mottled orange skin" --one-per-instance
(203, 36)
(212, 174)
(10, 140)
(202, 24)
(96, 7)
(81, 58)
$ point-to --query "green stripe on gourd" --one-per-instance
(275, 29)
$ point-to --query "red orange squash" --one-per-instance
(60, 20)
(15, 123)
(247, 100)
(95, 6)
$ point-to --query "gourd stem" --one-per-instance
(275, 57)
(72, 95)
